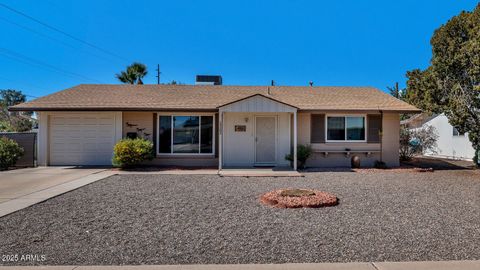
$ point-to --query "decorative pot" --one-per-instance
(355, 162)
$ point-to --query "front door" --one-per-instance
(265, 140)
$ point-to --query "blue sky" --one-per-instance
(353, 43)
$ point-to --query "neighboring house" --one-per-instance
(450, 143)
(217, 125)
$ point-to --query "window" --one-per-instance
(185, 134)
(355, 128)
(345, 128)
(186, 130)
(165, 134)
(336, 128)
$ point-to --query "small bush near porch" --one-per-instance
(303, 154)
(128, 153)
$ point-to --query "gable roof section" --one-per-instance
(93, 97)
(261, 96)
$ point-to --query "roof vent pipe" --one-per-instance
(268, 91)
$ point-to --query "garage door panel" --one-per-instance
(93, 147)
(58, 121)
(90, 121)
(73, 147)
(104, 127)
(65, 148)
(105, 135)
(104, 121)
(67, 131)
(65, 128)
(89, 134)
(82, 139)
(104, 147)
(100, 132)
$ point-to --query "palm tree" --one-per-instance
(133, 74)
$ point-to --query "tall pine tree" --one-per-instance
(452, 83)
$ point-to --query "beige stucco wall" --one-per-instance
(391, 139)
(391, 126)
(239, 146)
(141, 120)
(239, 150)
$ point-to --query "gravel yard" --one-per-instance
(173, 219)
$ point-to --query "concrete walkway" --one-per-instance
(444, 265)
(259, 172)
(230, 172)
(169, 171)
(25, 187)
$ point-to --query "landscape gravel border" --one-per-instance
(192, 219)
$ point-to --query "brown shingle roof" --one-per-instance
(210, 97)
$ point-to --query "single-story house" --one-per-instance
(450, 142)
(219, 125)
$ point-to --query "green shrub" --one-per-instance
(380, 165)
(130, 152)
(10, 152)
(303, 153)
(5, 126)
(416, 142)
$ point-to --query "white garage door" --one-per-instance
(82, 139)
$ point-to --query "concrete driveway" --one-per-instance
(24, 187)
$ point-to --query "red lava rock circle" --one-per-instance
(297, 198)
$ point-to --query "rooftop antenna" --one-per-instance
(311, 83)
(158, 73)
(273, 83)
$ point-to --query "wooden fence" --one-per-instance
(28, 141)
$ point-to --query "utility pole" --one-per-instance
(158, 73)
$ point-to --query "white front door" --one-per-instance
(265, 140)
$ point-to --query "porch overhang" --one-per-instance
(257, 104)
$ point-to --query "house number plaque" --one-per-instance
(240, 128)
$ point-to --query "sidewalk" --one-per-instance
(443, 265)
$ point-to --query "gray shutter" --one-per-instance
(317, 128)
(374, 122)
